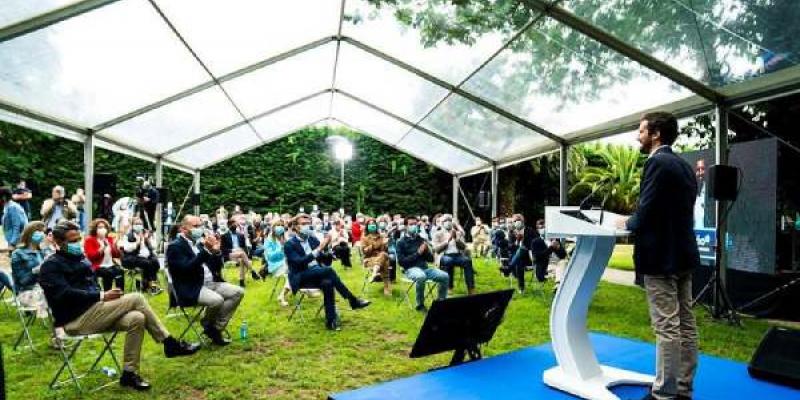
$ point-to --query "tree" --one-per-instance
(616, 179)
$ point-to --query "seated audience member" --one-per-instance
(234, 248)
(357, 229)
(449, 243)
(542, 251)
(520, 242)
(81, 308)
(413, 255)
(275, 259)
(480, 238)
(25, 263)
(376, 256)
(195, 263)
(5, 281)
(104, 255)
(138, 248)
(304, 255)
(340, 244)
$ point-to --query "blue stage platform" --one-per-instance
(518, 375)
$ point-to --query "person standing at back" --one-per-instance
(665, 253)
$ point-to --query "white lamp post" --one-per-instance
(343, 151)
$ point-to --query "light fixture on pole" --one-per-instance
(343, 151)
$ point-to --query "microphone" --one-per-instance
(584, 203)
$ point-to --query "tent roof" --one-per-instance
(195, 82)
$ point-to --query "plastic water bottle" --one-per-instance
(108, 371)
(243, 335)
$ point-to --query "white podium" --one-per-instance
(578, 371)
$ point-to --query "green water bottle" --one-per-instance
(243, 335)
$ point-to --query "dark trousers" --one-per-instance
(393, 267)
(149, 267)
(111, 275)
(518, 263)
(450, 261)
(326, 279)
(342, 252)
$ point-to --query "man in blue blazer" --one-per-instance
(665, 254)
(195, 263)
(306, 257)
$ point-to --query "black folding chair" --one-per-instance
(192, 318)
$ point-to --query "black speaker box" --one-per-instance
(777, 358)
(723, 182)
(163, 195)
(105, 183)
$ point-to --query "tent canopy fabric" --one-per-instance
(195, 82)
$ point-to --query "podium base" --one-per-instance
(595, 388)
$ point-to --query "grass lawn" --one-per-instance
(293, 360)
(622, 257)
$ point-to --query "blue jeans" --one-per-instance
(450, 261)
(420, 276)
(5, 281)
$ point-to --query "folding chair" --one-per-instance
(3, 298)
(298, 304)
(132, 277)
(430, 286)
(192, 319)
(69, 345)
(278, 280)
(27, 317)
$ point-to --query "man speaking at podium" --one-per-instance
(665, 253)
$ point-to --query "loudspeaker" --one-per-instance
(105, 183)
(163, 195)
(723, 182)
(483, 199)
(195, 199)
(777, 358)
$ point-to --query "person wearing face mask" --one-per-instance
(542, 251)
(480, 238)
(57, 208)
(521, 239)
(308, 269)
(147, 197)
(357, 229)
(195, 263)
(376, 256)
(413, 255)
(104, 254)
(275, 259)
(448, 243)
(234, 248)
(139, 253)
(81, 308)
(340, 244)
(25, 263)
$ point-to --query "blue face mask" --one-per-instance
(279, 230)
(413, 229)
(37, 237)
(305, 230)
(74, 249)
(197, 233)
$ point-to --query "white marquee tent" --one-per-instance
(189, 83)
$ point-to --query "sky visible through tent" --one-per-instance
(198, 81)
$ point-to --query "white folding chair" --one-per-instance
(192, 319)
(68, 345)
(299, 297)
(429, 288)
(27, 317)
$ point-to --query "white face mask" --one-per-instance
(102, 232)
(541, 231)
